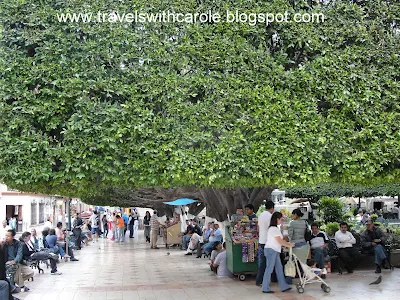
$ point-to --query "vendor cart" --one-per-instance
(239, 262)
(172, 235)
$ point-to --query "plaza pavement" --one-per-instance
(107, 270)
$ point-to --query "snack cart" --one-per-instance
(241, 246)
(172, 232)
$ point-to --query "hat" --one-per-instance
(369, 222)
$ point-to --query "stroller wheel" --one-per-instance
(325, 288)
(300, 290)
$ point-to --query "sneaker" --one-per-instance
(56, 273)
(189, 253)
(74, 259)
(324, 271)
(25, 289)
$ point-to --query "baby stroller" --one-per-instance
(307, 276)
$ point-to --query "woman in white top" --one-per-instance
(272, 251)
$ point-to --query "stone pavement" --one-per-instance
(107, 270)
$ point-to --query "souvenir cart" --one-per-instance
(241, 246)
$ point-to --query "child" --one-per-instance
(311, 263)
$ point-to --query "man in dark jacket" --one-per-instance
(28, 249)
(77, 230)
(13, 257)
(5, 287)
(372, 241)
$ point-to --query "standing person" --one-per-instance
(263, 225)
(95, 223)
(272, 252)
(120, 229)
(297, 230)
(130, 223)
(146, 222)
(77, 230)
(125, 217)
(114, 226)
(155, 226)
(250, 211)
(105, 225)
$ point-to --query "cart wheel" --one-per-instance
(327, 289)
(242, 277)
(300, 290)
(323, 285)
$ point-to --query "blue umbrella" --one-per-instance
(181, 201)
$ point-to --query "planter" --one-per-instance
(395, 258)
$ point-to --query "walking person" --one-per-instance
(146, 222)
(155, 227)
(272, 251)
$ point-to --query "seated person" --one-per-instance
(373, 241)
(5, 287)
(28, 249)
(51, 240)
(221, 264)
(319, 247)
(215, 235)
(250, 211)
(313, 265)
(62, 243)
(194, 240)
(18, 272)
(187, 235)
(196, 228)
(347, 253)
(216, 250)
(34, 239)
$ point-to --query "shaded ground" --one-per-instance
(129, 271)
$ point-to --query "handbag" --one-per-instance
(307, 233)
(290, 267)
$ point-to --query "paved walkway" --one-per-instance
(129, 271)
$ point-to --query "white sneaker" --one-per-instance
(324, 271)
(56, 273)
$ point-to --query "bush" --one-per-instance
(347, 217)
(331, 209)
(331, 228)
(374, 217)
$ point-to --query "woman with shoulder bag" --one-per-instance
(272, 251)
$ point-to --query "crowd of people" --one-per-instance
(311, 246)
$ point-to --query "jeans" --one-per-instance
(273, 261)
(131, 230)
(119, 234)
(4, 290)
(185, 241)
(78, 234)
(262, 263)
(318, 255)
(208, 247)
(380, 254)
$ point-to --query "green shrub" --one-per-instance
(332, 227)
(331, 209)
(347, 217)
(374, 217)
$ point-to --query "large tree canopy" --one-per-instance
(87, 107)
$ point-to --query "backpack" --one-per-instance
(307, 233)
